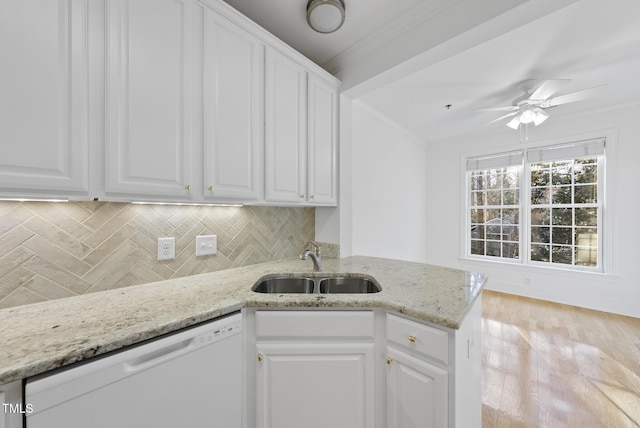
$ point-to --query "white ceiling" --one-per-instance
(591, 42)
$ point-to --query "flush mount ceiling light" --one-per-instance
(325, 16)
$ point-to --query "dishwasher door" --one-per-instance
(189, 379)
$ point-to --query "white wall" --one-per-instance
(388, 184)
(619, 289)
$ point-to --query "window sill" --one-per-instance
(532, 269)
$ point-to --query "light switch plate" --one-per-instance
(206, 245)
(166, 248)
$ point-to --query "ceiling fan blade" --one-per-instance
(502, 117)
(507, 108)
(575, 96)
(548, 88)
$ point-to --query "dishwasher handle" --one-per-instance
(159, 356)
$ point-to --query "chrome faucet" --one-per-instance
(315, 255)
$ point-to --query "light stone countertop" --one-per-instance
(44, 336)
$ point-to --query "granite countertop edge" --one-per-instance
(44, 336)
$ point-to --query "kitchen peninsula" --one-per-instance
(45, 336)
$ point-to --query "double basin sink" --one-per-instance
(316, 284)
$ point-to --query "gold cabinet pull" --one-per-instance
(389, 361)
(210, 188)
(187, 187)
(260, 357)
(301, 196)
(312, 196)
(412, 339)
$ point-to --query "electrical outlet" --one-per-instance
(206, 245)
(166, 248)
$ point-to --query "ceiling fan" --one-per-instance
(538, 96)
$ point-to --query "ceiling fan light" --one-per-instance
(541, 116)
(527, 116)
(514, 123)
(325, 16)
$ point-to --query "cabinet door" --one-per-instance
(315, 385)
(285, 129)
(233, 109)
(44, 97)
(148, 129)
(417, 392)
(323, 138)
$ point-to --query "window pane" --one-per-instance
(540, 195)
(540, 216)
(510, 250)
(586, 194)
(510, 197)
(477, 216)
(478, 198)
(561, 174)
(561, 195)
(495, 212)
(540, 253)
(562, 235)
(477, 247)
(562, 255)
(493, 249)
(586, 173)
(493, 197)
(540, 176)
(541, 234)
(586, 216)
(562, 216)
(564, 195)
(587, 237)
(494, 181)
(586, 257)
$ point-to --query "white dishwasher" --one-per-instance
(192, 378)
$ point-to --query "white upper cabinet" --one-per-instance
(233, 76)
(322, 125)
(301, 134)
(160, 100)
(285, 129)
(44, 98)
(148, 99)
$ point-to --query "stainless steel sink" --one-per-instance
(284, 285)
(348, 285)
(321, 284)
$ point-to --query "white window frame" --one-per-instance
(605, 183)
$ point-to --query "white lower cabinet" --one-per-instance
(416, 392)
(13, 409)
(361, 368)
(314, 385)
(312, 369)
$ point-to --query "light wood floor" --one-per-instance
(551, 365)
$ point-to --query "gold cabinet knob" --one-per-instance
(260, 357)
(187, 187)
(412, 339)
(311, 197)
(210, 188)
(389, 361)
(301, 196)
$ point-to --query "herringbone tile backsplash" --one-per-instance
(51, 250)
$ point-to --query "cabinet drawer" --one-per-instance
(418, 338)
(311, 324)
